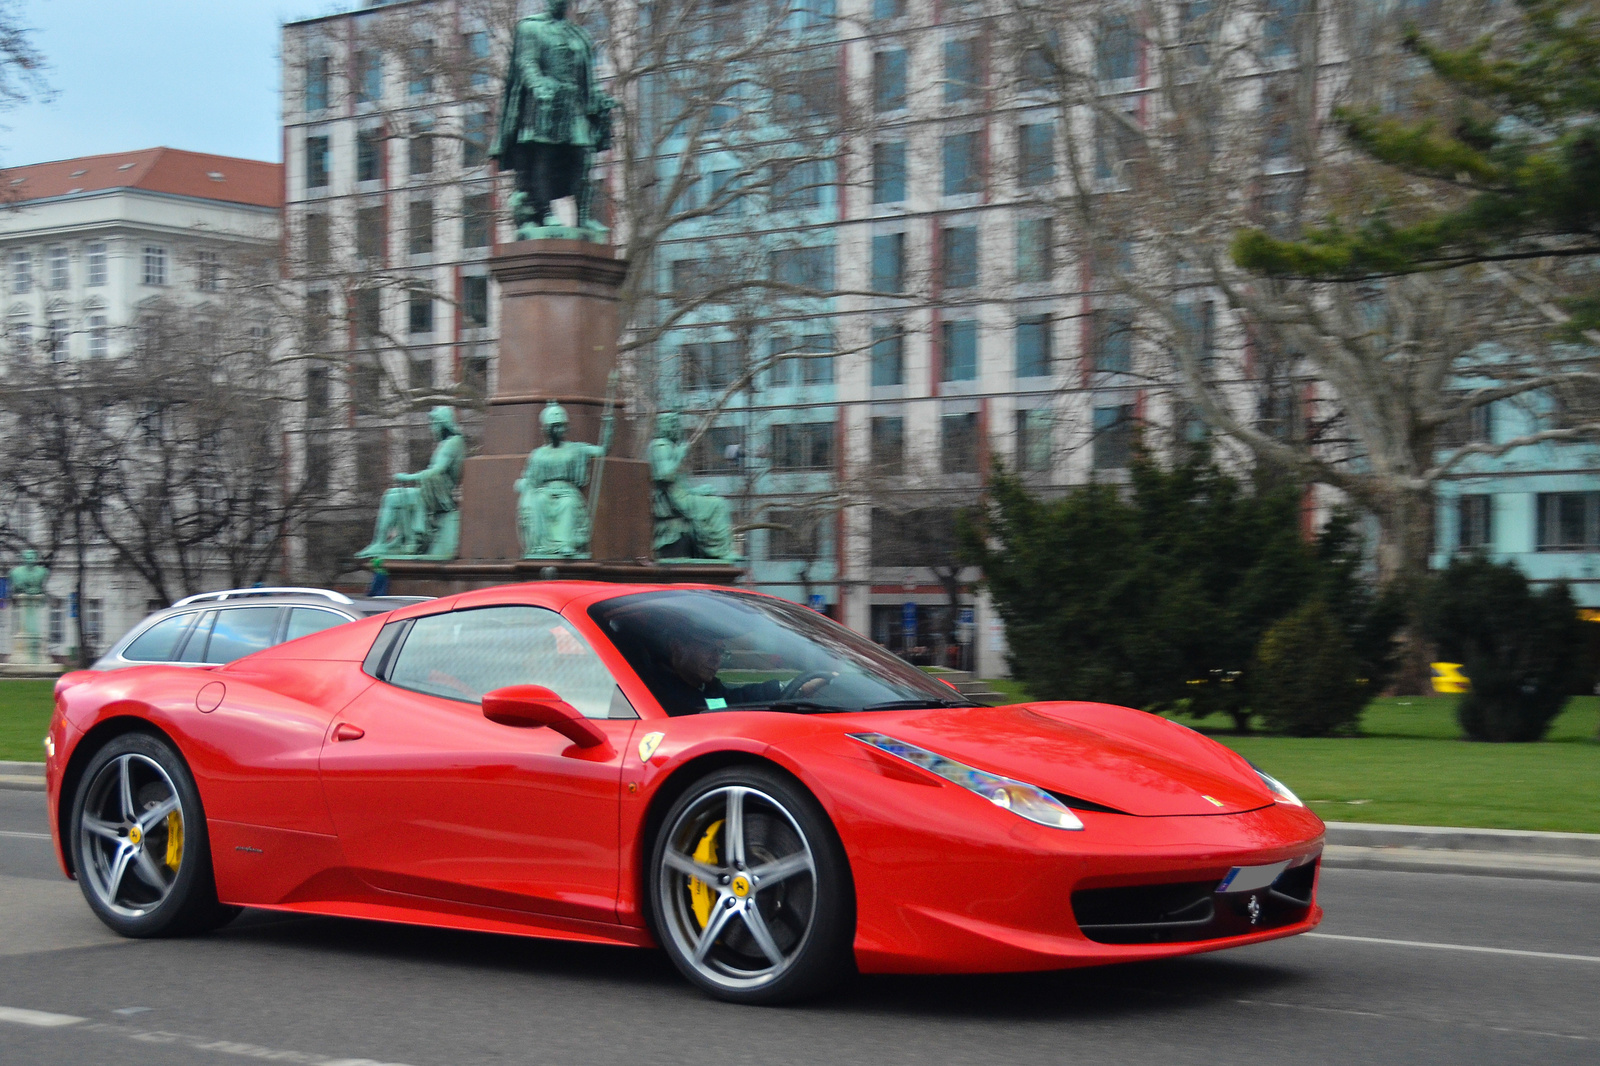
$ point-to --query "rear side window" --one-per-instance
(159, 643)
(464, 654)
(241, 631)
(194, 650)
(304, 621)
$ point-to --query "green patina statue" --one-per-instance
(552, 515)
(28, 578)
(689, 523)
(553, 118)
(418, 518)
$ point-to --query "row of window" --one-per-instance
(958, 257)
(420, 235)
(420, 155)
(366, 310)
(26, 272)
(368, 67)
(1564, 521)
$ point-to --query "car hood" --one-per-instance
(1128, 760)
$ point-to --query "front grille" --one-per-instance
(1191, 911)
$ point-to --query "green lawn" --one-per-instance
(1411, 767)
(24, 717)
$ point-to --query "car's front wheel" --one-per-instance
(750, 890)
(139, 841)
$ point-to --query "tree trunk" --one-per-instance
(1406, 540)
(85, 652)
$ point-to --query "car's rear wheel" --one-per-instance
(139, 841)
(750, 890)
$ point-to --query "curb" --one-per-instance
(1456, 839)
(1474, 863)
(22, 776)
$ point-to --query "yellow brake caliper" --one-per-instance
(700, 895)
(174, 840)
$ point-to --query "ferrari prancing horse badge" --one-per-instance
(648, 746)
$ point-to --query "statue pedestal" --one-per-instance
(29, 657)
(558, 341)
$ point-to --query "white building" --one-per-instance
(86, 245)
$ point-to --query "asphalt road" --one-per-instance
(1388, 979)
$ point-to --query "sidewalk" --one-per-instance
(1351, 845)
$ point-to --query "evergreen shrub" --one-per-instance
(1306, 680)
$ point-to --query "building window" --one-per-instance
(1113, 340)
(318, 247)
(60, 271)
(368, 313)
(369, 76)
(1035, 440)
(419, 378)
(1476, 514)
(420, 319)
(369, 154)
(60, 339)
(889, 172)
(317, 393)
(1473, 426)
(317, 83)
(718, 451)
(478, 53)
(888, 9)
(1281, 28)
(475, 301)
(1036, 153)
(802, 446)
(958, 443)
(1033, 346)
(369, 233)
(96, 270)
(811, 360)
(475, 138)
(806, 268)
(715, 365)
(962, 172)
(1113, 437)
(960, 350)
(799, 185)
(419, 59)
(889, 79)
(476, 219)
(888, 445)
(958, 258)
(155, 265)
(319, 460)
(420, 227)
(888, 356)
(1197, 328)
(21, 272)
(419, 147)
(207, 272)
(317, 162)
(316, 321)
(1569, 521)
(796, 534)
(961, 70)
(725, 199)
(889, 262)
(1117, 50)
(20, 334)
(99, 337)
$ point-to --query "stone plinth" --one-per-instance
(28, 655)
(558, 341)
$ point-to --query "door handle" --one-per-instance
(346, 731)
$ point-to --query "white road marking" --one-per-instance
(37, 1018)
(20, 835)
(1457, 947)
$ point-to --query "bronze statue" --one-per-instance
(553, 118)
(418, 517)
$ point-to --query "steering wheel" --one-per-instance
(792, 689)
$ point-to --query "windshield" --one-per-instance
(701, 650)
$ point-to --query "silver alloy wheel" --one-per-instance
(130, 837)
(754, 866)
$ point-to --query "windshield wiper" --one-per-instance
(800, 706)
(911, 705)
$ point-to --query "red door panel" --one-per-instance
(433, 799)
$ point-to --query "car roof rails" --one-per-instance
(229, 594)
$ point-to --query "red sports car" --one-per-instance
(763, 793)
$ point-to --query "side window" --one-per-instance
(240, 631)
(194, 650)
(304, 621)
(464, 654)
(159, 643)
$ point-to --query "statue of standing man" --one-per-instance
(553, 118)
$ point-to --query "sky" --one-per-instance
(128, 74)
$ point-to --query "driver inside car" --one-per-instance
(689, 684)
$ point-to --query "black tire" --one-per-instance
(784, 883)
(149, 897)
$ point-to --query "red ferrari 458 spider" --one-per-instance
(761, 792)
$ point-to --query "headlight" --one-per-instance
(1030, 801)
(1278, 788)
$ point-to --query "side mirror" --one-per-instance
(529, 706)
